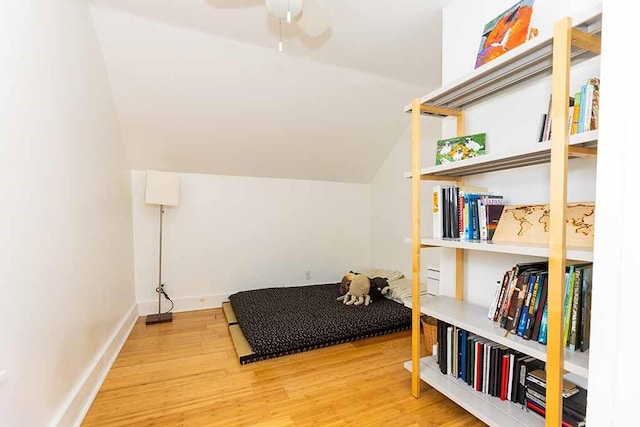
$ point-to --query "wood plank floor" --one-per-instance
(186, 373)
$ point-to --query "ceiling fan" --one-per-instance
(311, 16)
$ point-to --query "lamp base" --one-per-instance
(159, 318)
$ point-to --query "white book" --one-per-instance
(449, 349)
(512, 358)
(588, 108)
(437, 211)
(494, 302)
(485, 367)
(482, 220)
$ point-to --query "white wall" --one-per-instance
(65, 227)
(391, 203)
(235, 233)
(509, 121)
(614, 381)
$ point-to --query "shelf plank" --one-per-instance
(488, 409)
(575, 254)
(533, 58)
(538, 153)
(473, 318)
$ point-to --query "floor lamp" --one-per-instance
(163, 189)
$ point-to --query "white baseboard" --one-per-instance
(81, 397)
(183, 304)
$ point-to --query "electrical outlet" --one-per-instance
(308, 275)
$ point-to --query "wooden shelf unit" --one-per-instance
(535, 58)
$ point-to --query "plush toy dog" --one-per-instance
(358, 291)
(379, 288)
(344, 284)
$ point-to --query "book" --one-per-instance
(586, 308)
(494, 301)
(576, 113)
(493, 217)
(541, 124)
(542, 337)
(533, 305)
(568, 299)
(533, 328)
(595, 103)
(546, 134)
(567, 419)
(583, 97)
(524, 312)
(575, 311)
(588, 104)
(437, 211)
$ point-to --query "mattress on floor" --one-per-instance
(279, 321)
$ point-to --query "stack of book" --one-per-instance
(574, 399)
(484, 365)
(519, 304)
(583, 111)
(465, 213)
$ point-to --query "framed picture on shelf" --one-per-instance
(460, 148)
(506, 31)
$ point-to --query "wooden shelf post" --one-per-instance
(557, 228)
(415, 248)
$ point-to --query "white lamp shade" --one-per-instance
(163, 188)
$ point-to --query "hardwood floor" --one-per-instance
(186, 373)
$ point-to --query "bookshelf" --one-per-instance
(539, 58)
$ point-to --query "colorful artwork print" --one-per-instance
(506, 31)
(460, 148)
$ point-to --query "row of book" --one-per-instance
(520, 303)
(486, 366)
(465, 213)
(574, 399)
(583, 111)
(503, 372)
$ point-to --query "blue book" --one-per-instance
(542, 338)
(463, 355)
(583, 96)
(524, 313)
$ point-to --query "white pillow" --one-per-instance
(381, 272)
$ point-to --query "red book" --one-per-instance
(505, 377)
(540, 411)
(479, 347)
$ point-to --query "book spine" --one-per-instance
(576, 112)
(533, 307)
(437, 211)
(524, 312)
(542, 338)
(583, 97)
(575, 311)
(568, 299)
(588, 107)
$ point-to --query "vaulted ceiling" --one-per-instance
(200, 86)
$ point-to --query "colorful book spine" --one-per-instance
(575, 311)
(568, 299)
(542, 338)
(583, 98)
(576, 112)
(437, 211)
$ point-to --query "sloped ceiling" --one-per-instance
(200, 86)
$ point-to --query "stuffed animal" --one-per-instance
(358, 291)
(379, 288)
(344, 284)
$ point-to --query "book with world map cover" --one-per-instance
(529, 224)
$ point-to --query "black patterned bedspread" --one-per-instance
(280, 321)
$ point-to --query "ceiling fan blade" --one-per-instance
(279, 8)
(315, 18)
